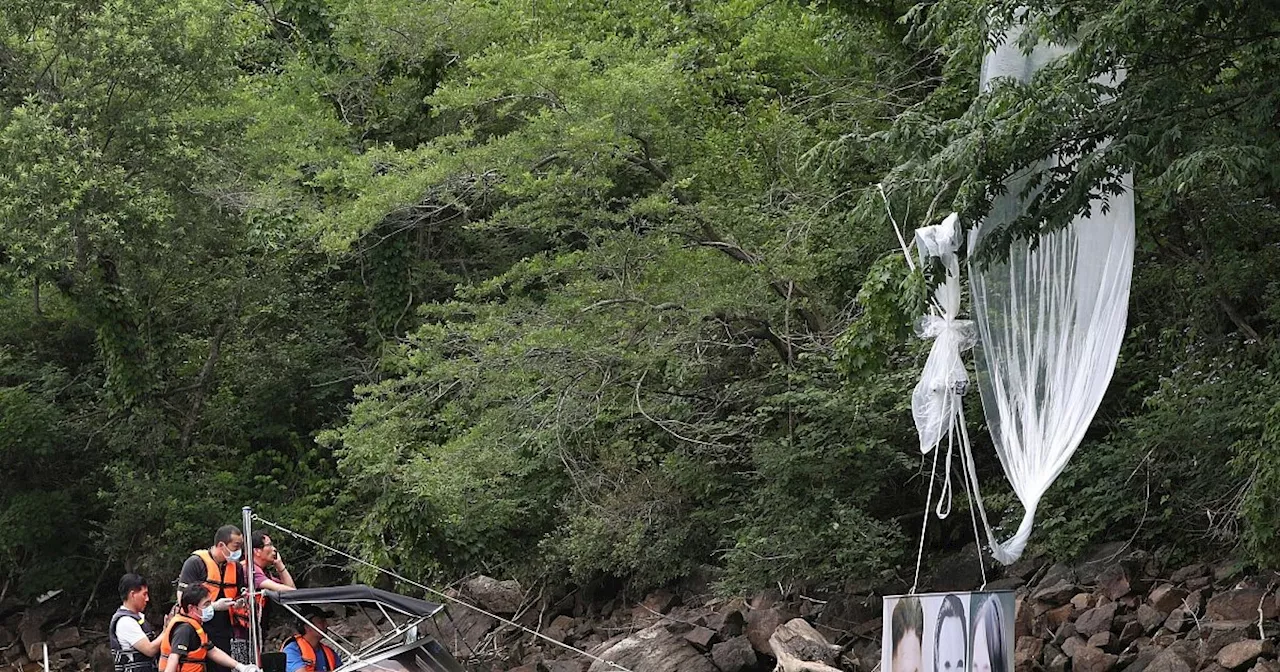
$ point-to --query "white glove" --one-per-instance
(223, 604)
(246, 667)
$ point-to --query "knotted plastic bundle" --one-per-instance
(936, 398)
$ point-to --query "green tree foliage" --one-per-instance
(572, 290)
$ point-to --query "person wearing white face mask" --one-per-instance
(185, 645)
(216, 572)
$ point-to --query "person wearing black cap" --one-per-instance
(307, 652)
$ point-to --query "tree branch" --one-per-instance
(205, 378)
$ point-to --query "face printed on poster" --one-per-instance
(948, 632)
(991, 632)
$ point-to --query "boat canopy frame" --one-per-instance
(399, 633)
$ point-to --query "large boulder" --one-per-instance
(1026, 653)
(65, 638)
(499, 597)
(1168, 660)
(1055, 593)
(761, 624)
(1097, 619)
(1243, 654)
(1180, 620)
(1150, 618)
(1243, 604)
(1092, 659)
(560, 627)
(653, 649)
(1166, 597)
(842, 613)
(1189, 572)
(1115, 582)
(1217, 635)
(463, 632)
(734, 655)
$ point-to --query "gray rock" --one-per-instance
(1215, 635)
(1242, 654)
(1090, 659)
(1114, 582)
(1097, 619)
(1150, 618)
(700, 637)
(1167, 660)
(761, 624)
(1242, 604)
(1179, 621)
(1105, 641)
(1194, 603)
(734, 655)
(1026, 653)
(1266, 666)
(1026, 567)
(1141, 661)
(654, 650)
(1054, 619)
(1083, 601)
(499, 597)
(1166, 597)
(1073, 645)
(466, 626)
(728, 622)
(1130, 633)
(1067, 631)
(560, 628)
(1057, 593)
(1189, 572)
(1023, 619)
(660, 601)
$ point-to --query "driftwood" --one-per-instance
(800, 648)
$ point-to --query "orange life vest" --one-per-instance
(309, 654)
(219, 582)
(192, 661)
(240, 615)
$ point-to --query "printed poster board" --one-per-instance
(948, 632)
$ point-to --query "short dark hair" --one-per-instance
(225, 534)
(951, 607)
(192, 597)
(311, 612)
(259, 539)
(129, 583)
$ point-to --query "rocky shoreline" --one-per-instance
(1118, 611)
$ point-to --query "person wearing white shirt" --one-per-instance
(134, 643)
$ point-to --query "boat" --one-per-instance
(401, 645)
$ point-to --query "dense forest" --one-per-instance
(572, 290)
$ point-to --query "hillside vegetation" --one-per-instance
(573, 290)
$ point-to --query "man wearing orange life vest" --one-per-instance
(307, 652)
(216, 571)
(184, 644)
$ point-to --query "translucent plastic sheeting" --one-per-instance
(1050, 321)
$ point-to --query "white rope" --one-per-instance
(437, 593)
(925, 525)
(966, 466)
(906, 252)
